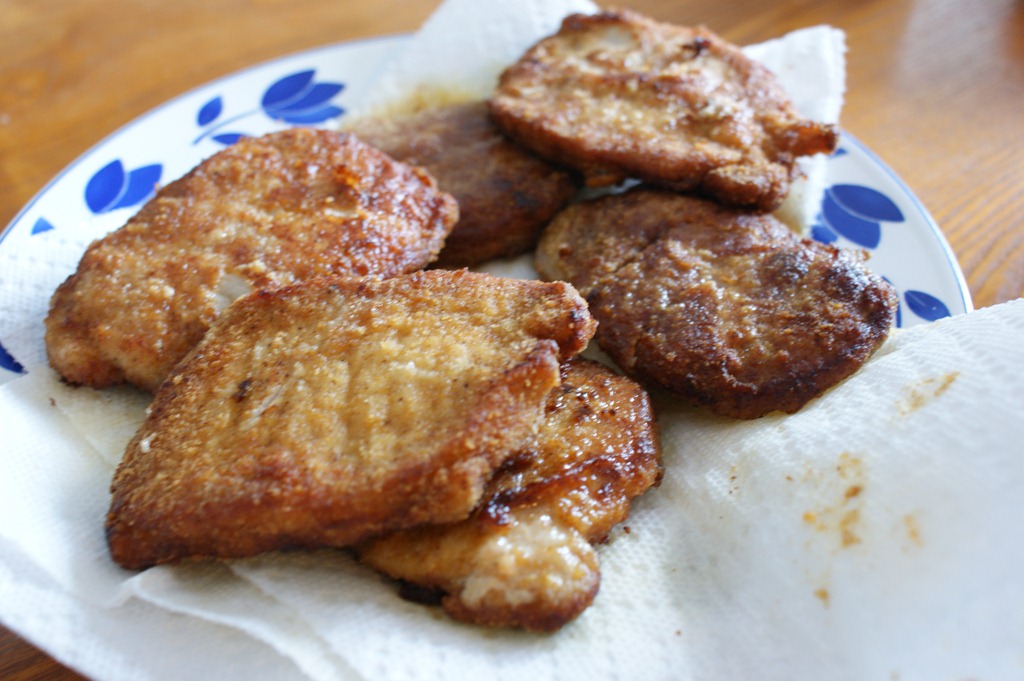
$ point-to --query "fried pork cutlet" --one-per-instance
(617, 95)
(264, 212)
(525, 557)
(324, 412)
(725, 308)
(506, 194)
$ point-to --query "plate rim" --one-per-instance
(934, 228)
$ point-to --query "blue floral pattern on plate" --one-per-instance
(295, 99)
(857, 212)
(861, 215)
(111, 187)
(926, 306)
(41, 225)
(864, 206)
(8, 363)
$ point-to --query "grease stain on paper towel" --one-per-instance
(913, 530)
(920, 394)
(837, 519)
(842, 517)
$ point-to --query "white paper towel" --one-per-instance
(463, 47)
(873, 535)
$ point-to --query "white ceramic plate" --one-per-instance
(864, 205)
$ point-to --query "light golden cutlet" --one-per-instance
(264, 212)
(324, 412)
(725, 308)
(526, 556)
(506, 194)
(617, 95)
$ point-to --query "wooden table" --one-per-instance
(936, 88)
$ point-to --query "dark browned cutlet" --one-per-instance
(723, 307)
(506, 194)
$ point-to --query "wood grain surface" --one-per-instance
(935, 87)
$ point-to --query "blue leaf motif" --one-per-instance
(8, 362)
(228, 138)
(42, 225)
(862, 232)
(210, 111)
(298, 100)
(141, 184)
(316, 116)
(866, 203)
(822, 232)
(287, 89)
(313, 98)
(926, 306)
(104, 187)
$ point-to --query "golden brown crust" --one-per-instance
(617, 95)
(264, 212)
(725, 308)
(525, 557)
(320, 413)
(506, 194)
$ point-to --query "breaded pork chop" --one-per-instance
(725, 308)
(264, 212)
(506, 194)
(618, 95)
(525, 558)
(320, 413)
